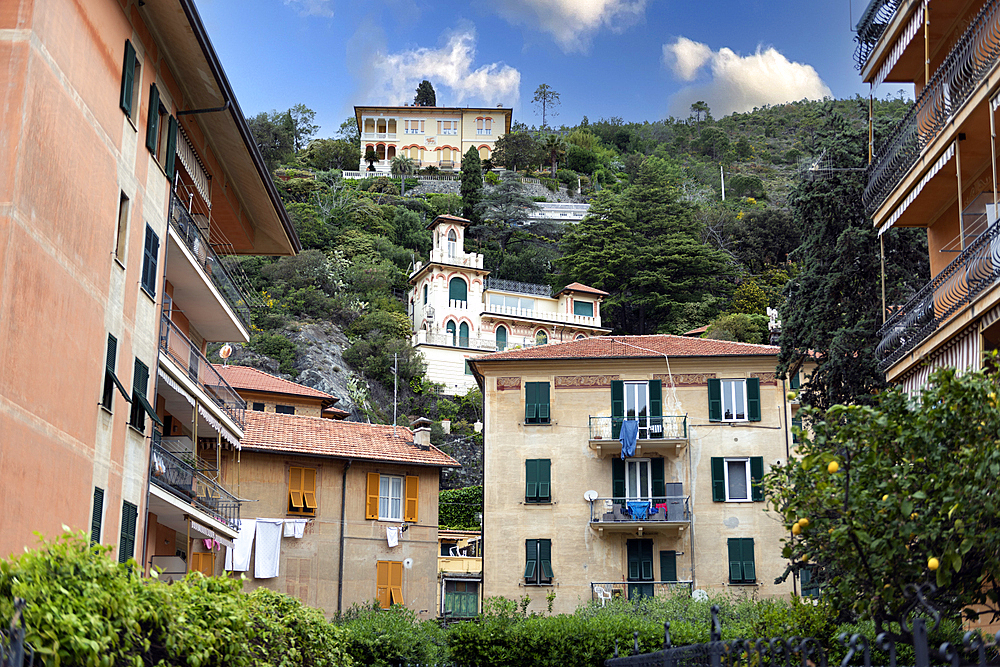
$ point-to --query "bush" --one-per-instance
(492, 178)
(277, 347)
(460, 509)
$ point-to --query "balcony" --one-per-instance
(176, 475)
(970, 61)
(447, 340)
(185, 230)
(873, 23)
(379, 136)
(973, 272)
(661, 435)
(189, 359)
(541, 315)
(502, 285)
(668, 515)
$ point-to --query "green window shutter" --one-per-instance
(632, 552)
(501, 338)
(153, 119)
(545, 558)
(646, 559)
(463, 335)
(714, 400)
(618, 478)
(457, 290)
(128, 79)
(171, 156)
(140, 378)
(583, 308)
(668, 566)
(96, 515)
(796, 421)
(794, 384)
(753, 399)
(735, 560)
(718, 479)
(531, 480)
(425, 295)
(543, 402)
(112, 357)
(544, 480)
(151, 253)
(756, 478)
(656, 473)
(617, 408)
(126, 545)
(530, 402)
(749, 570)
(530, 559)
(656, 398)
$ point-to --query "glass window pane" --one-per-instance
(727, 399)
(496, 300)
(739, 398)
(643, 479)
(737, 473)
(631, 477)
(641, 399)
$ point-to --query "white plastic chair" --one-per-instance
(603, 595)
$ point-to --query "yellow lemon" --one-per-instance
(804, 521)
(830, 531)
(885, 497)
(796, 529)
(791, 395)
(833, 467)
(932, 564)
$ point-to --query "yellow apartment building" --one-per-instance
(460, 573)
(432, 136)
(937, 170)
(567, 511)
(128, 178)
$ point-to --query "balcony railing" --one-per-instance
(567, 318)
(171, 473)
(871, 26)
(647, 511)
(195, 240)
(974, 271)
(968, 63)
(460, 341)
(518, 287)
(606, 591)
(180, 350)
(667, 427)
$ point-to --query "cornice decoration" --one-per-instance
(508, 383)
(586, 381)
(765, 378)
(686, 379)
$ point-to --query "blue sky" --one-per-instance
(637, 59)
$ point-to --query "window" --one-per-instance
(637, 479)
(501, 338)
(538, 561)
(451, 330)
(161, 133)
(150, 258)
(583, 308)
(126, 545)
(285, 409)
(111, 380)
(794, 382)
(120, 237)
(413, 127)
(668, 566)
(637, 400)
(425, 295)
(388, 582)
(807, 580)
(447, 127)
(640, 567)
(796, 422)
(141, 406)
(484, 126)
(737, 480)
(154, 121)
(541, 338)
(96, 515)
(741, 563)
(538, 484)
(461, 598)
(468, 368)
(452, 243)
(536, 402)
(458, 293)
(392, 497)
(512, 302)
(463, 335)
(258, 407)
(734, 400)
(131, 75)
(640, 479)
(302, 491)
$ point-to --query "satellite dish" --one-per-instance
(408, 563)
(590, 496)
(700, 595)
(226, 351)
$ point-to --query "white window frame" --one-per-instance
(745, 460)
(386, 498)
(729, 400)
(643, 494)
(633, 394)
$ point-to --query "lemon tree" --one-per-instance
(899, 492)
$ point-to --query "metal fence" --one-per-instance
(871, 26)
(518, 287)
(14, 652)
(667, 427)
(668, 508)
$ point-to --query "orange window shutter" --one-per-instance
(295, 489)
(309, 488)
(412, 491)
(382, 583)
(371, 507)
(396, 582)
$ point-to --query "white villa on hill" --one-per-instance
(459, 313)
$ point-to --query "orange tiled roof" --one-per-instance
(251, 379)
(316, 436)
(580, 287)
(620, 347)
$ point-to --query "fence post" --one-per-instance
(920, 650)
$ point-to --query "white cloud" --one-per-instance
(322, 8)
(392, 78)
(571, 22)
(738, 83)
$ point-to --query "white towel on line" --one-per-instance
(392, 535)
(300, 528)
(295, 528)
(238, 558)
(268, 553)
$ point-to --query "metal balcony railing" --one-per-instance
(518, 287)
(197, 242)
(668, 427)
(975, 270)
(171, 473)
(664, 509)
(873, 22)
(180, 350)
(461, 341)
(970, 60)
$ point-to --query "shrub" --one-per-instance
(492, 178)
(460, 508)
(277, 347)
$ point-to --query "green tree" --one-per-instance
(349, 131)
(326, 154)
(402, 166)
(914, 480)
(741, 327)
(506, 203)
(303, 128)
(472, 183)
(275, 137)
(700, 108)
(553, 147)
(514, 149)
(425, 95)
(546, 100)
(371, 157)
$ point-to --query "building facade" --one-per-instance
(936, 170)
(431, 136)
(567, 513)
(460, 313)
(460, 574)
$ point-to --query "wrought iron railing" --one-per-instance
(607, 591)
(518, 287)
(189, 358)
(968, 63)
(197, 242)
(14, 652)
(663, 509)
(873, 22)
(975, 270)
(667, 427)
(171, 473)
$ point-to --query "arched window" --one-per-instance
(380, 151)
(501, 338)
(489, 125)
(452, 243)
(391, 153)
(463, 335)
(484, 153)
(450, 328)
(541, 338)
(458, 291)
(425, 295)
(580, 337)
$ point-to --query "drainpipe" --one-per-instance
(343, 521)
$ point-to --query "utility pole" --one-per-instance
(722, 175)
(395, 388)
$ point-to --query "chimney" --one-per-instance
(421, 427)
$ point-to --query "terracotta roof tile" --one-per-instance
(580, 287)
(618, 347)
(251, 379)
(316, 436)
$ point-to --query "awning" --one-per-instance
(169, 381)
(941, 162)
(912, 28)
(217, 425)
(192, 165)
(209, 534)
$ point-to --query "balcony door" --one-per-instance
(637, 405)
(639, 400)
(638, 479)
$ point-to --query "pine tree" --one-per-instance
(425, 95)
(472, 183)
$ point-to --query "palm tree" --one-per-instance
(402, 166)
(553, 147)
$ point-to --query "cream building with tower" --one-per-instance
(460, 313)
